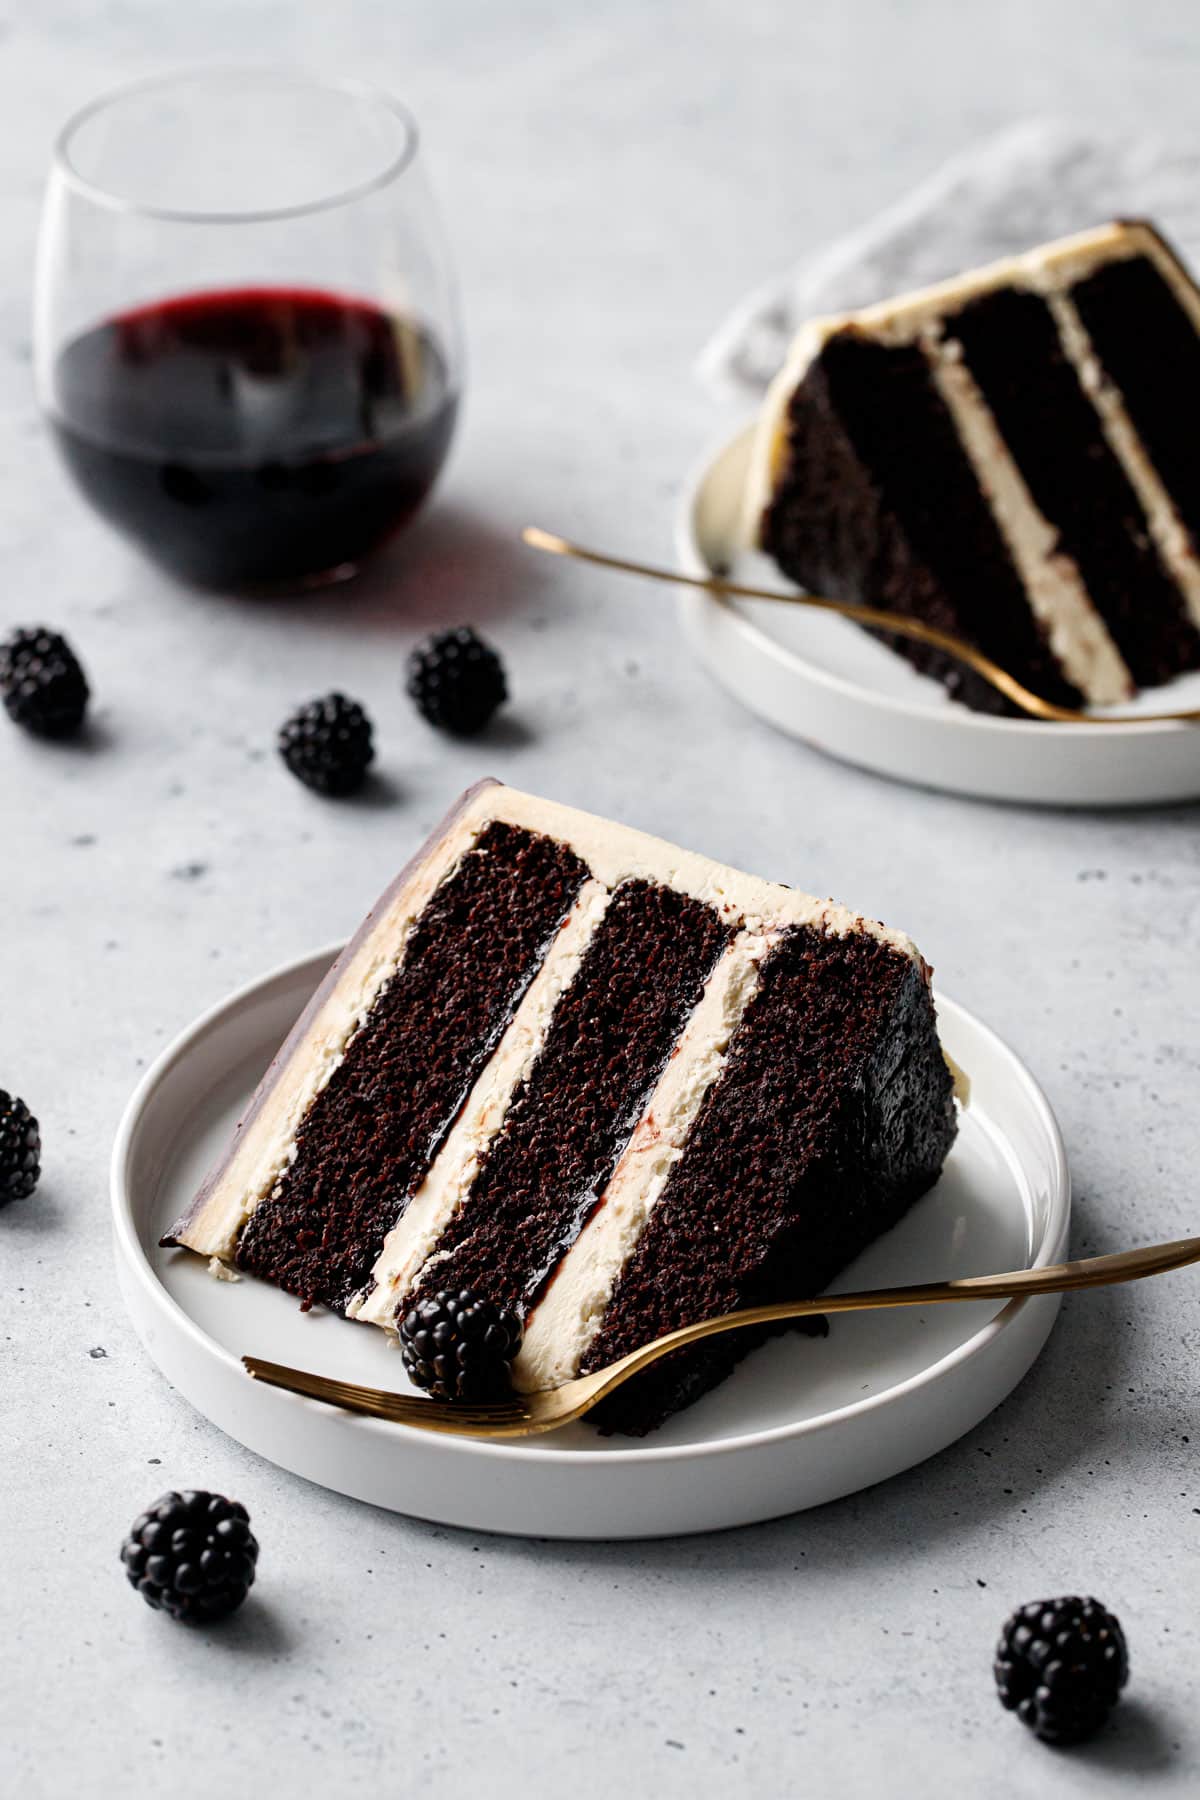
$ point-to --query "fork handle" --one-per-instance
(1057, 1278)
(581, 1395)
(917, 629)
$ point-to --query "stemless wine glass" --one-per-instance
(246, 331)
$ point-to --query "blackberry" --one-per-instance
(192, 1555)
(20, 1149)
(1060, 1666)
(327, 745)
(459, 1346)
(457, 681)
(42, 683)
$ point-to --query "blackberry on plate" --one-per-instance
(192, 1555)
(457, 681)
(42, 683)
(20, 1149)
(327, 745)
(1060, 1666)
(459, 1346)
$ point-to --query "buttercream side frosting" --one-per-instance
(563, 1324)
(266, 1143)
(1049, 269)
(1057, 593)
(1168, 533)
(614, 853)
(415, 1236)
(903, 319)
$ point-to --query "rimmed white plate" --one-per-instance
(799, 1423)
(825, 680)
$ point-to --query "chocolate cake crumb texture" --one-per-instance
(612, 1033)
(1010, 458)
(1053, 431)
(1156, 367)
(880, 508)
(376, 1126)
(834, 1113)
(763, 1068)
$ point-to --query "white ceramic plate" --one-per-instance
(825, 680)
(800, 1422)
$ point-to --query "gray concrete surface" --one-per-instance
(614, 176)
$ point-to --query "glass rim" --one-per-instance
(349, 86)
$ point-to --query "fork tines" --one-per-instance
(401, 1409)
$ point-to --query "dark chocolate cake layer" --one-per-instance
(379, 1121)
(1051, 428)
(878, 505)
(612, 1032)
(833, 1114)
(1156, 367)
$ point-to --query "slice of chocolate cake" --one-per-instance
(1009, 456)
(607, 1083)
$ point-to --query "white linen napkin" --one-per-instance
(1035, 181)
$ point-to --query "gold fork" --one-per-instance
(957, 647)
(525, 1414)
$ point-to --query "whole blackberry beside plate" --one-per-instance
(328, 745)
(457, 681)
(42, 683)
(192, 1555)
(20, 1149)
(1060, 1666)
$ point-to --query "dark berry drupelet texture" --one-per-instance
(459, 1346)
(42, 683)
(1060, 1666)
(192, 1555)
(457, 681)
(20, 1149)
(327, 745)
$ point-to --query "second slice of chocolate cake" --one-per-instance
(608, 1083)
(1009, 456)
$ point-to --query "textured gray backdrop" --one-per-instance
(615, 177)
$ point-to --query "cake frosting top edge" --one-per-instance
(614, 853)
(1045, 268)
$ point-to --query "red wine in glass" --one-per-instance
(256, 438)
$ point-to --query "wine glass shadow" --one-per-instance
(450, 567)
